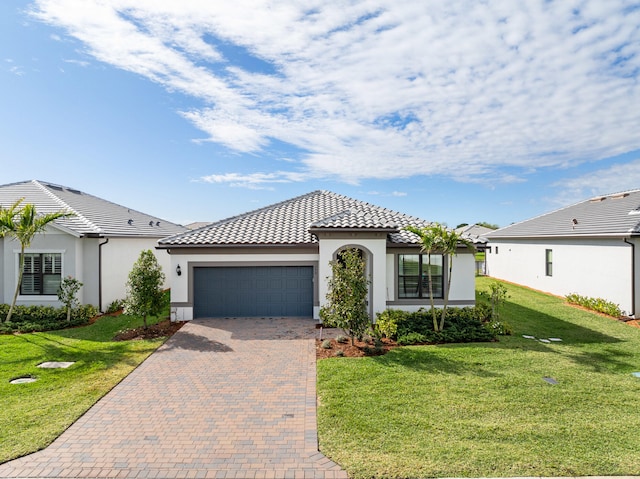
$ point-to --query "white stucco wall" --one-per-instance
(118, 257)
(598, 268)
(376, 249)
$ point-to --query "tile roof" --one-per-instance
(292, 222)
(92, 215)
(616, 214)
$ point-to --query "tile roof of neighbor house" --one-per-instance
(92, 215)
(290, 222)
(616, 214)
(475, 233)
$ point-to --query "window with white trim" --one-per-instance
(413, 275)
(41, 274)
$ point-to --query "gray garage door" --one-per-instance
(262, 291)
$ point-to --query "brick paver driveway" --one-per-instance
(229, 398)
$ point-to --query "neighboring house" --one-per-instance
(97, 246)
(274, 261)
(476, 234)
(589, 248)
(197, 224)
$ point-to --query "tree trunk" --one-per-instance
(69, 314)
(433, 307)
(15, 295)
(446, 293)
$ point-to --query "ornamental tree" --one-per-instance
(144, 287)
(67, 294)
(346, 306)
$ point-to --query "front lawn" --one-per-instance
(485, 410)
(33, 415)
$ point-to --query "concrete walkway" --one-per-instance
(231, 398)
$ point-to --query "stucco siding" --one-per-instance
(590, 267)
(118, 257)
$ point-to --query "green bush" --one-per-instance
(115, 306)
(595, 304)
(461, 325)
(29, 319)
(387, 322)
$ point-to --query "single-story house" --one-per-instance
(589, 248)
(98, 246)
(275, 261)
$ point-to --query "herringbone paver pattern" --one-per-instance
(228, 398)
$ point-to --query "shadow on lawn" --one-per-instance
(580, 344)
(56, 350)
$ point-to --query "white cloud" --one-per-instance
(255, 181)
(614, 179)
(386, 89)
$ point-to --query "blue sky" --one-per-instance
(455, 112)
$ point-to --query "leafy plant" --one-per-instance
(115, 306)
(326, 344)
(341, 339)
(595, 304)
(346, 306)
(144, 293)
(67, 294)
(498, 295)
(387, 322)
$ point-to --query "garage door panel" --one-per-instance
(264, 291)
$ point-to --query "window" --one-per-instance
(413, 276)
(42, 274)
(548, 262)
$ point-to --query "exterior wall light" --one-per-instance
(178, 270)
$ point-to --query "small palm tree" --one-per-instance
(437, 237)
(449, 241)
(429, 240)
(22, 223)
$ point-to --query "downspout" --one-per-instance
(100, 245)
(633, 277)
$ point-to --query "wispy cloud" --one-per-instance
(616, 178)
(381, 89)
(255, 181)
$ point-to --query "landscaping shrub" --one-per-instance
(595, 304)
(387, 322)
(115, 306)
(461, 325)
(29, 319)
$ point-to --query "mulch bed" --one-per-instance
(359, 349)
(158, 330)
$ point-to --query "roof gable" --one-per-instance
(292, 222)
(616, 214)
(92, 215)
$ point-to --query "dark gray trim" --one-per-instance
(425, 302)
(181, 305)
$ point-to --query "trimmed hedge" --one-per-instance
(30, 319)
(461, 325)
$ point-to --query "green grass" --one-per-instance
(484, 410)
(33, 415)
